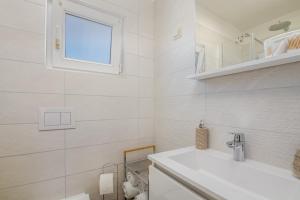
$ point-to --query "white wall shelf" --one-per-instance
(249, 66)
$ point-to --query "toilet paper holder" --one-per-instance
(114, 169)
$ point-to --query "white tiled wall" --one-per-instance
(263, 104)
(179, 102)
(112, 112)
(51, 165)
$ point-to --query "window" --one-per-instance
(80, 37)
(87, 40)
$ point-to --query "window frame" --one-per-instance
(55, 39)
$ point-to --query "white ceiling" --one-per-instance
(245, 14)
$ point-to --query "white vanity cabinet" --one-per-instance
(188, 172)
(163, 187)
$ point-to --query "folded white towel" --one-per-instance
(129, 190)
(142, 196)
(200, 59)
(131, 179)
(281, 48)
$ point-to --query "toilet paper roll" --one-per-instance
(142, 196)
(129, 190)
(106, 184)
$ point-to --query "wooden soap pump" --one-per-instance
(201, 136)
(296, 165)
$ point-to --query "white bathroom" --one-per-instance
(149, 100)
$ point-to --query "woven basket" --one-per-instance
(294, 43)
(298, 154)
(296, 164)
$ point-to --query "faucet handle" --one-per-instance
(238, 137)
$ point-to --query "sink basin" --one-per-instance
(228, 179)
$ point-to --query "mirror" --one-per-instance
(232, 32)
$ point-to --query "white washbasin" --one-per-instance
(217, 173)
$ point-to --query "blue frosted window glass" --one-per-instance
(87, 40)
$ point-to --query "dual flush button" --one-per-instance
(56, 118)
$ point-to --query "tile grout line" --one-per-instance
(62, 93)
(253, 129)
(41, 63)
(34, 3)
(243, 91)
(30, 92)
(65, 152)
(67, 148)
(234, 91)
(80, 121)
(114, 4)
(139, 71)
(20, 61)
(69, 94)
(54, 178)
(31, 153)
(22, 30)
(228, 126)
(205, 101)
(31, 183)
(43, 6)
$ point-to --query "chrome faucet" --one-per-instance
(238, 146)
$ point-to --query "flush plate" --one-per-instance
(56, 118)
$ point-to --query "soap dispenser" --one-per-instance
(202, 134)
